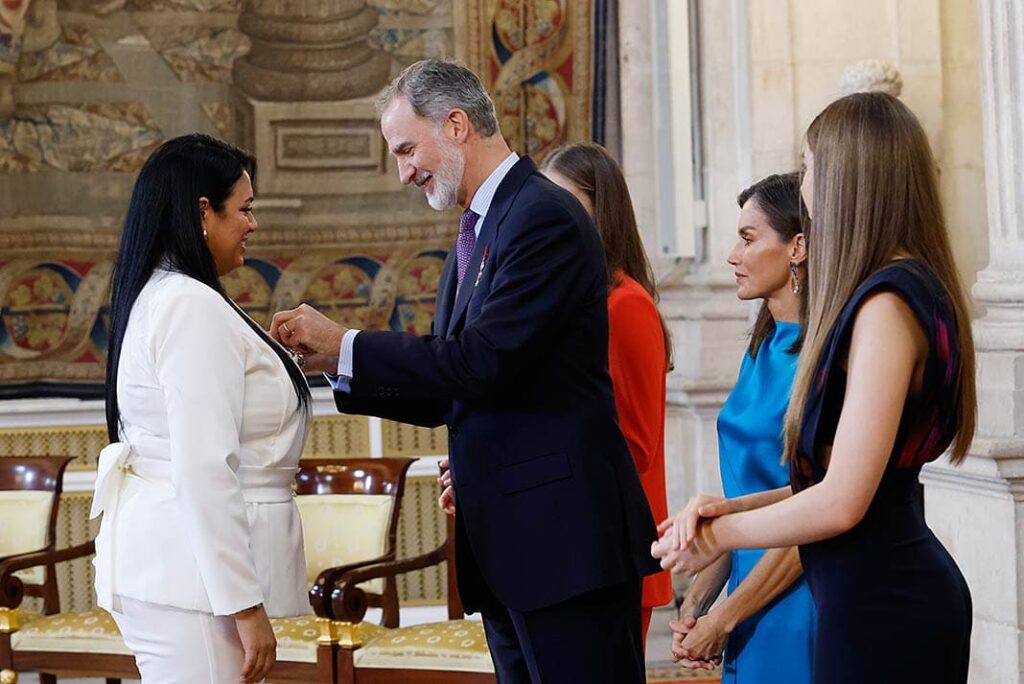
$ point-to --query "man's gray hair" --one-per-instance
(434, 87)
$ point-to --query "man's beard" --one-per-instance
(447, 178)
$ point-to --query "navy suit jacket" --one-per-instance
(548, 500)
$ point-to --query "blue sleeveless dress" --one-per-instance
(775, 644)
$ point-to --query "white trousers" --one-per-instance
(175, 646)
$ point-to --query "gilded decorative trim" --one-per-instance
(10, 620)
(345, 634)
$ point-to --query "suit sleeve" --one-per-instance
(636, 361)
(538, 278)
(200, 364)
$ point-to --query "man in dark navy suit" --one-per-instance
(553, 532)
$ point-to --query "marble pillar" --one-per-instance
(698, 296)
(303, 96)
(978, 509)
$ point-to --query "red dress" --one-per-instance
(636, 360)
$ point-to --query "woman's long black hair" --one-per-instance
(163, 227)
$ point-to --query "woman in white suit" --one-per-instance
(200, 540)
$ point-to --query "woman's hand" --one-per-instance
(683, 526)
(704, 642)
(681, 631)
(699, 554)
(258, 643)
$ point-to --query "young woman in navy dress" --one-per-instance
(885, 384)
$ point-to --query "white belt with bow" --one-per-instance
(110, 474)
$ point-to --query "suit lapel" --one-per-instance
(502, 202)
(445, 294)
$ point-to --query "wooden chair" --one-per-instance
(337, 499)
(30, 488)
(450, 652)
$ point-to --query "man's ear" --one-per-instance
(457, 125)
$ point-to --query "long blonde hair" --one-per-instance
(875, 197)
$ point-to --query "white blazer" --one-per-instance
(198, 510)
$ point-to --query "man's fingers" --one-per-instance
(281, 317)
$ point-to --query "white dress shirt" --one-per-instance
(198, 511)
(480, 204)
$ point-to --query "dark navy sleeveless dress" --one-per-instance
(892, 604)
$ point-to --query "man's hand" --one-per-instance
(307, 331)
(447, 499)
(320, 363)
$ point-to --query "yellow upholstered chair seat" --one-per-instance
(24, 520)
(455, 645)
(339, 529)
(92, 631)
(297, 637)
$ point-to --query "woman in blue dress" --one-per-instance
(766, 623)
(885, 384)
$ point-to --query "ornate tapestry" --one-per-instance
(536, 59)
(54, 294)
(88, 88)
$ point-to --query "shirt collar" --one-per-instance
(485, 193)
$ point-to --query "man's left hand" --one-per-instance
(307, 331)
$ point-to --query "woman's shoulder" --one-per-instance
(170, 289)
(628, 293)
(179, 304)
(909, 279)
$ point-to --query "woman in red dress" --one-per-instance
(639, 346)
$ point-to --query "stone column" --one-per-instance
(301, 95)
(978, 509)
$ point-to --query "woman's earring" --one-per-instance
(204, 232)
(796, 277)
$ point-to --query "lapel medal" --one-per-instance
(483, 260)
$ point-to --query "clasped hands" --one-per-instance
(688, 545)
(308, 332)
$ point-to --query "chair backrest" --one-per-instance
(30, 488)
(349, 509)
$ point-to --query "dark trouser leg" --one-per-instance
(506, 651)
(594, 638)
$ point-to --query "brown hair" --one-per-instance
(591, 169)
(875, 197)
(778, 198)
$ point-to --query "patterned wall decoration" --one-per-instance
(54, 314)
(536, 59)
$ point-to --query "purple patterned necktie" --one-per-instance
(467, 240)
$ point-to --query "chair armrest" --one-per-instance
(320, 592)
(12, 591)
(348, 601)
